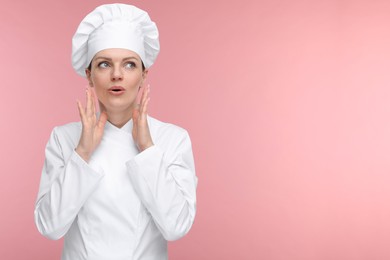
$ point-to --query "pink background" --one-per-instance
(287, 103)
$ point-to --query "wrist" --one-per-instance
(82, 153)
(144, 147)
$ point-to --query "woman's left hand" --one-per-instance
(141, 133)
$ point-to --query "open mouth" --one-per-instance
(116, 89)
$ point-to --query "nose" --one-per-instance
(116, 73)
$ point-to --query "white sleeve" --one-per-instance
(167, 186)
(65, 186)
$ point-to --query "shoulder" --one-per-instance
(173, 140)
(67, 135)
(163, 129)
(68, 129)
(169, 137)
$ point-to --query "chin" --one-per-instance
(118, 106)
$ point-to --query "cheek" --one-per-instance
(99, 92)
(138, 81)
(133, 81)
(98, 85)
(99, 80)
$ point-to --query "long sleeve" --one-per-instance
(165, 182)
(66, 182)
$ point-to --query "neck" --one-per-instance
(118, 117)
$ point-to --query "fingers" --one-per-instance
(89, 107)
(145, 94)
(144, 102)
(87, 112)
(100, 125)
(93, 101)
(141, 134)
(102, 120)
(144, 109)
(81, 110)
(135, 114)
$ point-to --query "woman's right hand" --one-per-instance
(93, 128)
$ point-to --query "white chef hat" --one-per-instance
(115, 26)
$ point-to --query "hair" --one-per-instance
(90, 66)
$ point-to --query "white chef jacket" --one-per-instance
(123, 204)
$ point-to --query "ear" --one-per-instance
(88, 73)
(144, 74)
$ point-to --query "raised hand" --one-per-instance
(141, 133)
(93, 128)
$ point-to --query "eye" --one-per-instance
(129, 65)
(103, 64)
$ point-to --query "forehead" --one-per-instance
(117, 54)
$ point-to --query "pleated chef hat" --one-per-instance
(115, 26)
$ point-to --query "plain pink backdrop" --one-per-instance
(287, 104)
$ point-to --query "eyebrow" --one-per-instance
(107, 58)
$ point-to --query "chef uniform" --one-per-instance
(123, 204)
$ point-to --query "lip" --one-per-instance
(116, 90)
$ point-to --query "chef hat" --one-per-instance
(115, 26)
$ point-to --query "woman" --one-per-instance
(120, 184)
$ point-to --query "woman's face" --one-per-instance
(116, 75)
